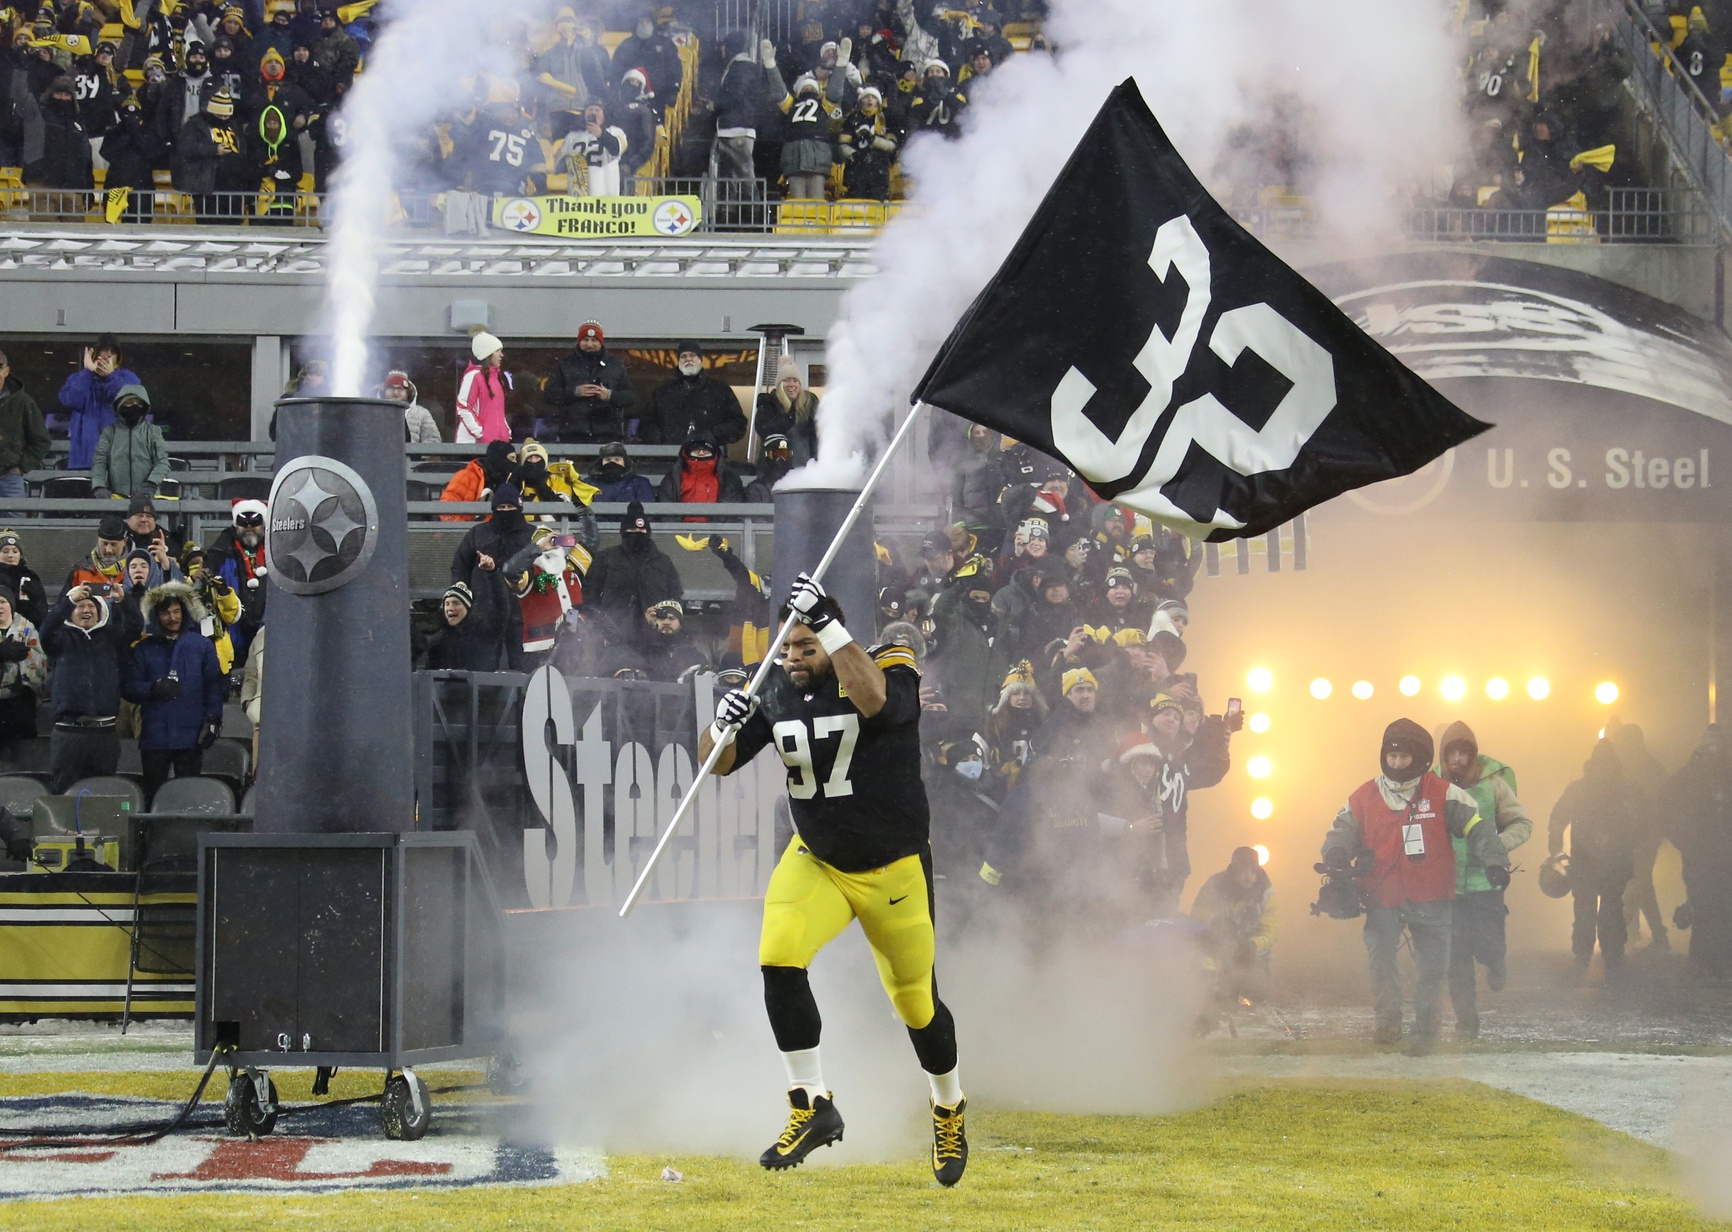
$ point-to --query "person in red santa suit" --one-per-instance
(548, 576)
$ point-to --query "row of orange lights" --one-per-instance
(1453, 688)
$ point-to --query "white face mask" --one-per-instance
(691, 367)
(645, 29)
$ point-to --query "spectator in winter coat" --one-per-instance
(963, 619)
(336, 52)
(133, 150)
(700, 477)
(651, 51)
(101, 570)
(1602, 812)
(1405, 818)
(790, 410)
(496, 150)
(89, 394)
(307, 75)
(177, 682)
(24, 439)
(481, 393)
(209, 159)
(30, 595)
(23, 671)
(750, 86)
(666, 649)
(479, 476)
(693, 404)
(774, 463)
(807, 153)
(589, 391)
(468, 640)
(221, 604)
(274, 153)
(480, 560)
(628, 579)
(867, 149)
(131, 454)
(572, 73)
(617, 480)
(279, 32)
(418, 425)
(93, 85)
(938, 105)
(547, 580)
(87, 640)
(590, 154)
(632, 113)
(65, 160)
(238, 558)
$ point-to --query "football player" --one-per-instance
(846, 722)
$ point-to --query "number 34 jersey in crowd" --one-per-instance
(853, 782)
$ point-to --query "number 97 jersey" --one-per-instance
(853, 782)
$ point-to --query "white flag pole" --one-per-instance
(770, 657)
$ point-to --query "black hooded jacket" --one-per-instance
(626, 579)
(590, 419)
(689, 406)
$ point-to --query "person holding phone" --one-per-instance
(89, 395)
(87, 639)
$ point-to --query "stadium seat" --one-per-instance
(18, 794)
(250, 801)
(857, 215)
(67, 487)
(228, 760)
(25, 756)
(198, 794)
(798, 216)
(422, 490)
(131, 763)
(110, 785)
(244, 487)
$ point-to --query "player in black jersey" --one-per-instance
(847, 725)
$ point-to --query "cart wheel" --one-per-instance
(397, 1109)
(242, 1112)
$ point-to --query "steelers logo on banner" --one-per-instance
(674, 218)
(520, 214)
(323, 526)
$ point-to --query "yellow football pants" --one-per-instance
(809, 903)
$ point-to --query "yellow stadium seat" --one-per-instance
(803, 217)
(134, 77)
(113, 32)
(851, 215)
(613, 38)
(558, 182)
(1014, 30)
(1021, 42)
(100, 175)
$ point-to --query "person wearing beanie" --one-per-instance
(790, 410)
(629, 578)
(30, 595)
(278, 34)
(481, 393)
(480, 561)
(238, 558)
(693, 404)
(469, 638)
(222, 605)
(1236, 909)
(87, 638)
(336, 50)
(589, 394)
(571, 72)
(23, 670)
(209, 162)
(616, 480)
(701, 476)
(131, 454)
(65, 159)
(479, 476)
(102, 569)
(1009, 732)
(1395, 836)
(419, 427)
(666, 649)
(650, 49)
(88, 395)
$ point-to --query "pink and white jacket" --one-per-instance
(481, 405)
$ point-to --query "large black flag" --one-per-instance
(1145, 338)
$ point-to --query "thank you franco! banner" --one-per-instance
(585, 217)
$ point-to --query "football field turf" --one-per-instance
(1268, 1155)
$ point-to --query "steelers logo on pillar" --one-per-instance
(323, 526)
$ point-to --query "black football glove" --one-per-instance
(1498, 876)
(812, 604)
(165, 690)
(13, 651)
(211, 733)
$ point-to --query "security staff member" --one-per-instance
(847, 725)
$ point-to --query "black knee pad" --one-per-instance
(792, 1008)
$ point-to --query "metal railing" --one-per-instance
(1688, 123)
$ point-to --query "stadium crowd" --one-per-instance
(245, 98)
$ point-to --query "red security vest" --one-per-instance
(1395, 877)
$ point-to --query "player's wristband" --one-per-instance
(833, 636)
(721, 736)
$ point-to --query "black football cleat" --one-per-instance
(949, 1143)
(810, 1126)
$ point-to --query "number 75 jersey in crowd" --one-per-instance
(853, 782)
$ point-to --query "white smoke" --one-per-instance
(414, 74)
(1369, 88)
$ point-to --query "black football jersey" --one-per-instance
(853, 782)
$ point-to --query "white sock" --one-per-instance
(946, 1088)
(804, 1070)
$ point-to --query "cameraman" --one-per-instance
(1237, 908)
(1395, 836)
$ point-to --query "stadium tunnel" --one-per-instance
(1579, 550)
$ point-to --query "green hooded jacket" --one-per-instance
(1494, 793)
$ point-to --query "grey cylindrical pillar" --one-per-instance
(335, 733)
(806, 521)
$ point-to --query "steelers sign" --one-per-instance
(323, 527)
